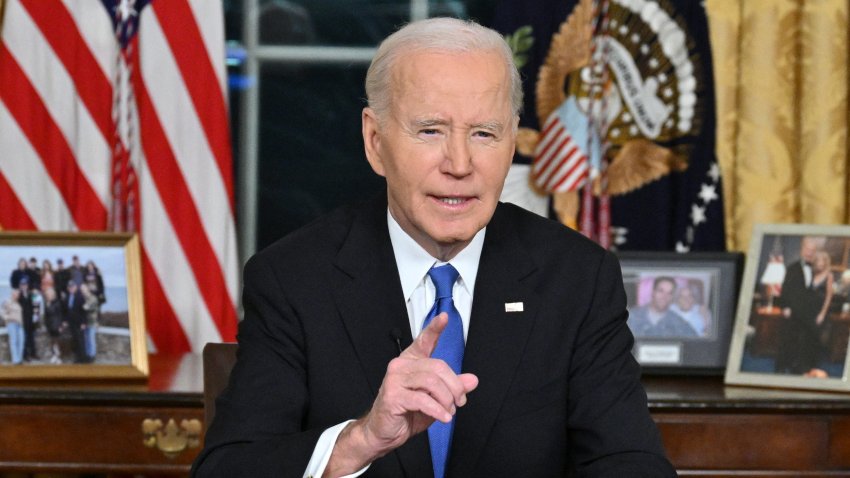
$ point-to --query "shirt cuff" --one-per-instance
(323, 451)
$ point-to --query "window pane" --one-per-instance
(479, 10)
(233, 19)
(330, 22)
(311, 151)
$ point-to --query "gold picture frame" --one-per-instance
(92, 324)
(792, 325)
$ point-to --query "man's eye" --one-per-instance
(483, 134)
(429, 131)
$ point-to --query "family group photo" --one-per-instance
(63, 305)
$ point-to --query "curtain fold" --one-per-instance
(781, 70)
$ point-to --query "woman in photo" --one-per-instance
(53, 322)
(12, 314)
(91, 306)
(822, 282)
(94, 281)
(47, 280)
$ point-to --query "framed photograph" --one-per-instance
(71, 306)
(793, 319)
(681, 308)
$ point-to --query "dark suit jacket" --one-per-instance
(805, 303)
(558, 385)
(799, 339)
(74, 314)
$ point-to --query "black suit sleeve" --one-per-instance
(611, 431)
(257, 430)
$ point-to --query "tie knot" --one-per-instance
(444, 278)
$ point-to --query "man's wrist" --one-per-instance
(353, 450)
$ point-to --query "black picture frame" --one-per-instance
(675, 345)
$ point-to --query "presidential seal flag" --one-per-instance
(619, 119)
(113, 116)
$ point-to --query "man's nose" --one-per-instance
(458, 160)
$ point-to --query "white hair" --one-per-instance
(436, 34)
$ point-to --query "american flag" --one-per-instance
(560, 165)
(113, 116)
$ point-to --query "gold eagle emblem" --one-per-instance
(647, 101)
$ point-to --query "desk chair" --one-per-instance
(218, 361)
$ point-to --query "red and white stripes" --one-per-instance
(559, 163)
(58, 73)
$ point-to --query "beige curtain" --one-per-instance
(781, 76)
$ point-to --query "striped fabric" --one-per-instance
(559, 163)
(113, 116)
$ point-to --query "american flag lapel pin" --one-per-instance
(513, 307)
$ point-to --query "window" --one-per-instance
(296, 91)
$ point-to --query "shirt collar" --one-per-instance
(413, 261)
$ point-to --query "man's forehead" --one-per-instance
(427, 67)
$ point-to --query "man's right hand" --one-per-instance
(416, 391)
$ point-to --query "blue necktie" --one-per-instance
(449, 349)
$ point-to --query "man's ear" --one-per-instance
(372, 140)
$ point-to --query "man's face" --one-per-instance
(662, 295)
(808, 247)
(685, 299)
(445, 146)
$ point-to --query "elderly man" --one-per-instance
(800, 350)
(434, 331)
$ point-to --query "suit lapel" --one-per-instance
(496, 338)
(370, 301)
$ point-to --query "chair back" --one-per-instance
(219, 359)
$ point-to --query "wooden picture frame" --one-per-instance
(92, 329)
(793, 320)
(690, 333)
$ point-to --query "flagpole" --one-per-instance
(249, 135)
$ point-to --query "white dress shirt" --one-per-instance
(413, 264)
(807, 273)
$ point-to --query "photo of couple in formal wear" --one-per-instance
(63, 305)
(800, 314)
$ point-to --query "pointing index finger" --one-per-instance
(425, 344)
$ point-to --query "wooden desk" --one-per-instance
(708, 429)
(717, 431)
(97, 427)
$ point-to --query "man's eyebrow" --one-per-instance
(431, 122)
(428, 122)
(489, 125)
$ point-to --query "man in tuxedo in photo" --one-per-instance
(433, 331)
(800, 349)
